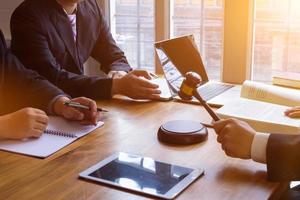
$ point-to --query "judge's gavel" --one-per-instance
(188, 90)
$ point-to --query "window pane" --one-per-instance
(132, 24)
(204, 19)
(276, 38)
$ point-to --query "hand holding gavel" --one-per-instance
(188, 89)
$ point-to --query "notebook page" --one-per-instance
(39, 147)
(48, 144)
(70, 127)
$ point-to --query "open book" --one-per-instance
(263, 106)
(59, 133)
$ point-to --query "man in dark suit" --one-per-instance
(20, 88)
(56, 37)
(281, 153)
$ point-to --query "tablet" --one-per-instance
(143, 175)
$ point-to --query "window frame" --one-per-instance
(237, 36)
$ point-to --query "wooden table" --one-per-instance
(131, 127)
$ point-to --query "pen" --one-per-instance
(78, 105)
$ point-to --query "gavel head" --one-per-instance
(189, 84)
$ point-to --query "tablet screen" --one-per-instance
(140, 174)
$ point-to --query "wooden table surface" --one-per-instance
(131, 127)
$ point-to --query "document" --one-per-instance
(263, 106)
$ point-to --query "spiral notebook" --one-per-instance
(59, 133)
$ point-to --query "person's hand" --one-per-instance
(25, 123)
(85, 117)
(293, 112)
(135, 85)
(236, 137)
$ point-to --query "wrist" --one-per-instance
(58, 105)
(116, 86)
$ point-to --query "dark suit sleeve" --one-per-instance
(283, 157)
(106, 50)
(29, 41)
(20, 87)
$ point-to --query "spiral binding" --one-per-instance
(59, 133)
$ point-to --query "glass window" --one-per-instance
(203, 19)
(276, 39)
(132, 25)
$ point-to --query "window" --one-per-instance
(203, 19)
(276, 38)
(132, 25)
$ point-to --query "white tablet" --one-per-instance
(142, 174)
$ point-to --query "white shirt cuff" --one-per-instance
(116, 74)
(259, 147)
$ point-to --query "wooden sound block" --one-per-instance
(182, 132)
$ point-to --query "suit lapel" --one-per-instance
(63, 27)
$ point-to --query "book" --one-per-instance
(262, 106)
(59, 133)
(287, 81)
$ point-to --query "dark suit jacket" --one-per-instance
(20, 87)
(42, 38)
(283, 157)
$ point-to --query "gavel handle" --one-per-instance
(206, 106)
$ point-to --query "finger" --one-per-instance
(148, 91)
(98, 116)
(44, 119)
(223, 147)
(219, 125)
(82, 100)
(228, 152)
(147, 96)
(39, 111)
(145, 83)
(291, 110)
(155, 97)
(287, 112)
(294, 114)
(93, 112)
(73, 114)
(219, 139)
(35, 133)
(142, 73)
(87, 122)
(40, 127)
